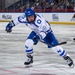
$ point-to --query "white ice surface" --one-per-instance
(46, 62)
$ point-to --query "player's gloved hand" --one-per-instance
(35, 39)
(41, 36)
(8, 30)
(9, 27)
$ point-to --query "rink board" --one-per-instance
(53, 18)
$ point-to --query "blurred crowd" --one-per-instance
(50, 5)
(44, 5)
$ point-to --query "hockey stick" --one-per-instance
(61, 43)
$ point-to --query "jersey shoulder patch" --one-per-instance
(21, 18)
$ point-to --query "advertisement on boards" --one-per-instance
(6, 16)
(55, 17)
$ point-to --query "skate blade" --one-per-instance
(72, 66)
(28, 66)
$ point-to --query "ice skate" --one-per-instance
(29, 61)
(69, 61)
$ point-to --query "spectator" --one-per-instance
(74, 8)
(43, 5)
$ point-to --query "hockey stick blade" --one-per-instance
(61, 43)
(65, 42)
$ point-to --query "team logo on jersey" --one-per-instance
(38, 21)
(21, 17)
(44, 28)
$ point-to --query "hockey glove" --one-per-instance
(35, 39)
(9, 26)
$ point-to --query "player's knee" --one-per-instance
(29, 44)
(59, 50)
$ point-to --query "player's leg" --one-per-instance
(60, 51)
(29, 48)
(50, 39)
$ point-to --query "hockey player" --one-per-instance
(41, 30)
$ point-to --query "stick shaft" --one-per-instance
(61, 43)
